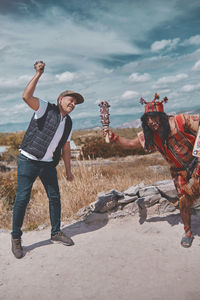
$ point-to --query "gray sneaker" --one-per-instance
(17, 248)
(62, 238)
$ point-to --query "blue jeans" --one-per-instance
(28, 170)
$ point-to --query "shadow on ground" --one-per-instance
(175, 218)
(72, 230)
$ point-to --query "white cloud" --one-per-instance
(193, 40)
(169, 44)
(190, 87)
(165, 91)
(65, 77)
(14, 82)
(108, 71)
(171, 79)
(3, 44)
(129, 95)
(64, 43)
(196, 67)
(135, 77)
(46, 80)
(21, 106)
(173, 95)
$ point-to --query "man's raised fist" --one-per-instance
(39, 66)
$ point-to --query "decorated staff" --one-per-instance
(104, 115)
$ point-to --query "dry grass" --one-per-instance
(90, 178)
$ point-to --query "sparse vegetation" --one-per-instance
(8, 183)
(90, 179)
(13, 140)
(91, 176)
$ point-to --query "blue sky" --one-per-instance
(109, 50)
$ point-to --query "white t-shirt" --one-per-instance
(57, 136)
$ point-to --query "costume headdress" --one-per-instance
(154, 105)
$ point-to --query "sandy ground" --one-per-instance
(120, 259)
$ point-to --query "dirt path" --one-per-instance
(120, 259)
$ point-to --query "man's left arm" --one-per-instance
(66, 155)
(191, 123)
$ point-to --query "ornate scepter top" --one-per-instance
(104, 115)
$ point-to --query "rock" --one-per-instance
(83, 212)
(136, 199)
(41, 227)
(150, 200)
(163, 182)
(118, 194)
(141, 185)
(96, 218)
(131, 208)
(165, 206)
(153, 210)
(196, 205)
(115, 193)
(105, 204)
(107, 201)
(127, 199)
(62, 225)
(148, 190)
(167, 190)
(117, 214)
(132, 191)
(92, 206)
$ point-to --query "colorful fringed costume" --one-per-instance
(174, 137)
(183, 131)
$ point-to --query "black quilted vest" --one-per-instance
(41, 132)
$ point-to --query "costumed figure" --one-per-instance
(174, 137)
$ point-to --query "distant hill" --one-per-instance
(132, 124)
(93, 123)
(137, 123)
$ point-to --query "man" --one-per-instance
(47, 136)
(174, 138)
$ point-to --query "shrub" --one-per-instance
(14, 142)
(97, 147)
(8, 183)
